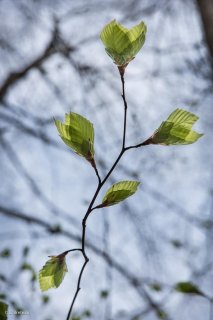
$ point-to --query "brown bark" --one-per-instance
(206, 12)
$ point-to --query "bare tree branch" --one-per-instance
(56, 44)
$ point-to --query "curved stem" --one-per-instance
(77, 290)
(96, 172)
(90, 207)
(145, 143)
(66, 252)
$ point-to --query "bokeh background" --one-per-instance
(52, 62)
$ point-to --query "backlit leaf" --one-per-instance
(53, 272)
(3, 310)
(45, 299)
(119, 192)
(155, 286)
(162, 314)
(122, 44)
(187, 288)
(5, 253)
(177, 129)
(78, 134)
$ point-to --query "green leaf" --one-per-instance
(3, 310)
(187, 288)
(162, 314)
(155, 286)
(119, 192)
(122, 44)
(78, 134)
(26, 266)
(53, 272)
(45, 299)
(87, 314)
(5, 253)
(177, 129)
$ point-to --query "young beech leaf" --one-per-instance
(5, 253)
(161, 314)
(52, 273)
(155, 286)
(123, 44)
(187, 288)
(3, 310)
(119, 192)
(177, 129)
(78, 134)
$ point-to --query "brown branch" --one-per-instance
(56, 44)
(206, 13)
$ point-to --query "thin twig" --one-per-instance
(100, 185)
(71, 250)
(125, 107)
(97, 174)
(145, 143)
(91, 208)
(78, 288)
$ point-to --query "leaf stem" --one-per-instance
(92, 161)
(71, 250)
(97, 174)
(145, 143)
